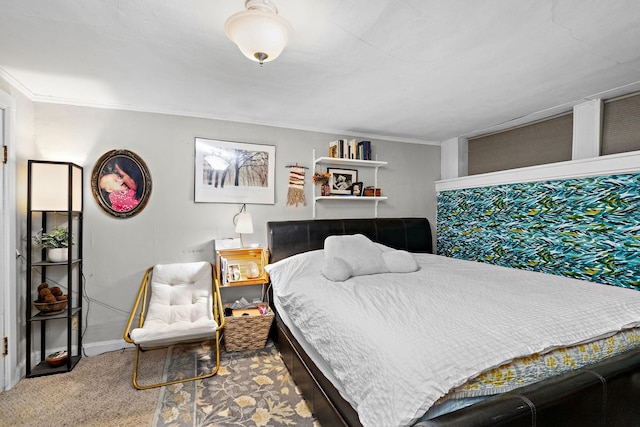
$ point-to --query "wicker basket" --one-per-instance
(247, 332)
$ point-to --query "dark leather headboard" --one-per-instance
(286, 238)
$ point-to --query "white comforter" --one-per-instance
(400, 341)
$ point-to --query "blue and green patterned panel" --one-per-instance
(587, 228)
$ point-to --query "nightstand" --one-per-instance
(244, 268)
(241, 267)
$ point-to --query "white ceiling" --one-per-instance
(411, 70)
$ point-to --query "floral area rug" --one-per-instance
(252, 388)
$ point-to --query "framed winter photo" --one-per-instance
(234, 172)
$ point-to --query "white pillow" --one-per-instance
(284, 272)
(360, 253)
(400, 261)
(355, 255)
(336, 269)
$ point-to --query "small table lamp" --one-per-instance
(243, 222)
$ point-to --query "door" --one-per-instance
(8, 282)
(4, 285)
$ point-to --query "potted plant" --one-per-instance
(55, 242)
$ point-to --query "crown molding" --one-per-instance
(146, 109)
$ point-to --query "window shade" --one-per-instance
(621, 125)
(543, 142)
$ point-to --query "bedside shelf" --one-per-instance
(241, 258)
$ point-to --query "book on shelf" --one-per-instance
(333, 149)
(350, 149)
(223, 271)
(364, 150)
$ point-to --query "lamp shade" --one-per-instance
(260, 33)
(55, 186)
(244, 224)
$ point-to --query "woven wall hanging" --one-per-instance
(295, 196)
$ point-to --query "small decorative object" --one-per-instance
(56, 243)
(295, 195)
(233, 273)
(58, 254)
(253, 270)
(372, 192)
(50, 308)
(56, 359)
(322, 178)
(356, 189)
(50, 300)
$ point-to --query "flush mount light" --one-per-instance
(260, 33)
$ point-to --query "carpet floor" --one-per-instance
(252, 388)
(96, 393)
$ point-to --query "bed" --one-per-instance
(602, 393)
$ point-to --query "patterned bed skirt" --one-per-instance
(528, 370)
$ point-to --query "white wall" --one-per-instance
(172, 227)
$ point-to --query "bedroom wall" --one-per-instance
(587, 228)
(172, 227)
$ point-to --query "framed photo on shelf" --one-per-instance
(341, 180)
(233, 273)
(234, 172)
(357, 189)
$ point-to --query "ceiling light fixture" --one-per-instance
(260, 33)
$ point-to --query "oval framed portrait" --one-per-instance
(121, 183)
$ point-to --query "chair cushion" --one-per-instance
(180, 306)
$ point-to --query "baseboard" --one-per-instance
(96, 348)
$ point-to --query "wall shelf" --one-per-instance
(347, 162)
(375, 164)
(351, 198)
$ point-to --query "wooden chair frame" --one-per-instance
(142, 302)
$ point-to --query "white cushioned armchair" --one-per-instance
(177, 303)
